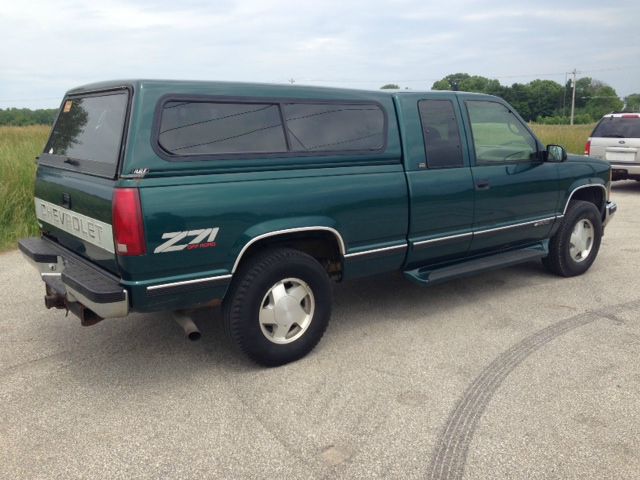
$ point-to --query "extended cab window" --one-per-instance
(498, 135)
(318, 127)
(441, 134)
(212, 128)
(88, 133)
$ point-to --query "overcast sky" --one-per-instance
(50, 46)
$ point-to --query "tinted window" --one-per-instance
(498, 136)
(332, 127)
(618, 127)
(209, 128)
(90, 129)
(441, 134)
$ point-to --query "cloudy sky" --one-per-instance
(51, 46)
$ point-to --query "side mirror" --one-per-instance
(556, 153)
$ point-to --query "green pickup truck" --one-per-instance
(174, 195)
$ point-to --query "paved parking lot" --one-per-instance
(510, 374)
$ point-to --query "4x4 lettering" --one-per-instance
(173, 238)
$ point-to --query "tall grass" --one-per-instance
(571, 137)
(18, 148)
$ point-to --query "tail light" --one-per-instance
(587, 148)
(128, 230)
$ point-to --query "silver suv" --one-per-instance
(616, 138)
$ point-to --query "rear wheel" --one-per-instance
(575, 245)
(278, 307)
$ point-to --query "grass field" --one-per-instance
(571, 137)
(20, 145)
(18, 148)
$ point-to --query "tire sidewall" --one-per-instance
(580, 211)
(245, 310)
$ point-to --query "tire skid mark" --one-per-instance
(450, 454)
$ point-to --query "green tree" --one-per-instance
(390, 86)
(632, 103)
(480, 84)
(467, 83)
(451, 82)
(24, 116)
(542, 100)
(596, 98)
(545, 98)
(519, 96)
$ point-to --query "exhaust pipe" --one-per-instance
(191, 330)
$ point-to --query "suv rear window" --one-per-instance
(88, 133)
(618, 127)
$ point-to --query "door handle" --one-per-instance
(483, 185)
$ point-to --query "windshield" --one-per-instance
(88, 133)
(618, 127)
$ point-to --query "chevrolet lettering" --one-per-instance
(176, 195)
(89, 229)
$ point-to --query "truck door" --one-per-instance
(516, 191)
(439, 178)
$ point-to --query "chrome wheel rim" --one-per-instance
(286, 311)
(581, 241)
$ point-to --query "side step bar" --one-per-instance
(430, 276)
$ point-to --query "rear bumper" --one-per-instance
(621, 171)
(75, 283)
(610, 211)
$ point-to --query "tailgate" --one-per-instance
(77, 171)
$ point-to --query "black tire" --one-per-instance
(247, 293)
(560, 260)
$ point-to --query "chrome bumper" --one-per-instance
(631, 168)
(74, 279)
(610, 211)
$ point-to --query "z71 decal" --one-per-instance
(203, 238)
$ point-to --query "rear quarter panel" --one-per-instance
(364, 197)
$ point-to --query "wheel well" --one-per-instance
(594, 194)
(321, 245)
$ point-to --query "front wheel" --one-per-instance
(279, 306)
(575, 245)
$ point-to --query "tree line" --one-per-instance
(542, 101)
(545, 101)
(21, 117)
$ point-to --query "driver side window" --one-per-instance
(498, 136)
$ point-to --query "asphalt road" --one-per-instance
(510, 374)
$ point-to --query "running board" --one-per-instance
(430, 276)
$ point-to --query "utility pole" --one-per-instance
(564, 96)
(573, 95)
